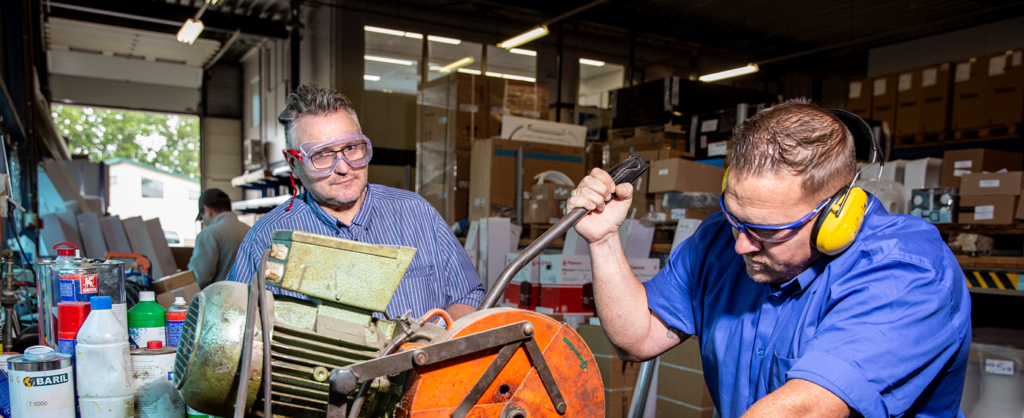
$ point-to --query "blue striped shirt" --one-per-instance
(440, 274)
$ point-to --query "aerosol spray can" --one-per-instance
(155, 394)
(5, 392)
(79, 281)
(46, 294)
(111, 283)
(40, 383)
(176, 320)
(104, 365)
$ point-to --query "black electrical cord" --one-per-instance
(250, 323)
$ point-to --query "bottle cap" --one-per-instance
(100, 303)
(178, 300)
(147, 296)
(66, 252)
(155, 345)
(70, 317)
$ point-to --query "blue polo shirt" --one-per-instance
(885, 326)
(439, 275)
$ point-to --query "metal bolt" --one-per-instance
(420, 358)
(320, 374)
(337, 296)
(561, 407)
(528, 329)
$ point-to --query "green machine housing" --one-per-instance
(344, 283)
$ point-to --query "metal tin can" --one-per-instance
(5, 394)
(79, 281)
(46, 299)
(40, 384)
(155, 394)
(111, 283)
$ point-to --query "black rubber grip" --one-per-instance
(628, 170)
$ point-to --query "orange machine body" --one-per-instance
(436, 390)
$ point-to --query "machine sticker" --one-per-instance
(583, 363)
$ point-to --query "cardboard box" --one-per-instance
(681, 388)
(636, 238)
(988, 210)
(883, 99)
(567, 284)
(644, 269)
(516, 98)
(547, 201)
(679, 175)
(955, 164)
(1008, 183)
(968, 97)
(617, 402)
(176, 285)
(858, 101)
(908, 103)
(684, 229)
(492, 182)
(1020, 209)
(936, 95)
(543, 131)
(1004, 89)
(498, 237)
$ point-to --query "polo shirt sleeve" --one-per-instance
(670, 292)
(887, 332)
(204, 258)
(461, 282)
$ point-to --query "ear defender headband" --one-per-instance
(836, 227)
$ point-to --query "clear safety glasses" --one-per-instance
(321, 157)
(770, 233)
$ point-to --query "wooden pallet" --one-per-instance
(928, 138)
(988, 132)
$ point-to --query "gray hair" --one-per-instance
(312, 100)
(796, 137)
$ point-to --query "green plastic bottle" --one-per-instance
(146, 321)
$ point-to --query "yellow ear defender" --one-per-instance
(838, 224)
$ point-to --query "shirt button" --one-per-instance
(760, 352)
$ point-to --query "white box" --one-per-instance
(547, 132)
(893, 171)
(574, 244)
(922, 174)
(644, 268)
(529, 273)
(684, 229)
(636, 238)
(495, 242)
(571, 270)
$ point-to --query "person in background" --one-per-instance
(218, 242)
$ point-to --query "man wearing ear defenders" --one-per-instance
(806, 297)
(329, 154)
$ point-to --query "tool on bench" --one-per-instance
(328, 355)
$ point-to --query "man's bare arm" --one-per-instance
(459, 310)
(799, 398)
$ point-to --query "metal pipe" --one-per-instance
(642, 389)
(573, 12)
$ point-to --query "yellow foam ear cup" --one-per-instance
(834, 233)
(725, 179)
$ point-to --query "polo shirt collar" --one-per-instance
(362, 217)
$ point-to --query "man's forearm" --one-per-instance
(799, 398)
(621, 299)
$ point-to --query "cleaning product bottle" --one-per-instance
(64, 255)
(146, 321)
(175, 320)
(103, 365)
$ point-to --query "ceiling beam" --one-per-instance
(163, 17)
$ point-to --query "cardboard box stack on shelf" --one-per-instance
(883, 99)
(858, 101)
(456, 111)
(643, 199)
(680, 175)
(546, 203)
(647, 138)
(989, 198)
(956, 164)
(968, 98)
(1004, 91)
(923, 105)
(681, 388)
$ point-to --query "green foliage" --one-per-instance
(169, 142)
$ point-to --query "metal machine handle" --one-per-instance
(625, 172)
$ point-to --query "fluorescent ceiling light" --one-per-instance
(414, 35)
(384, 31)
(443, 40)
(190, 31)
(523, 38)
(516, 77)
(749, 69)
(387, 60)
(523, 52)
(490, 74)
(457, 64)
(468, 71)
(368, 77)
(595, 63)
(435, 68)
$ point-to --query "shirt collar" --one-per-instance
(362, 217)
(804, 279)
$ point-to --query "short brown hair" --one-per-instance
(795, 137)
(312, 100)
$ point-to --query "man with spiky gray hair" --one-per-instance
(329, 155)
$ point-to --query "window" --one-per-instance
(193, 194)
(392, 60)
(254, 86)
(597, 79)
(152, 188)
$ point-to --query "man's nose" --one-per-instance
(745, 244)
(342, 167)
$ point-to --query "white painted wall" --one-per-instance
(177, 209)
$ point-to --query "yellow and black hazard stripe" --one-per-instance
(992, 278)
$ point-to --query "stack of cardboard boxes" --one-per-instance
(681, 388)
(989, 183)
(679, 175)
(619, 377)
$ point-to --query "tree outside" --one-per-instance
(168, 141)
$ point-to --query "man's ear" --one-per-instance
(290, 159)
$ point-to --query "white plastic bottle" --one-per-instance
(104, 363)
